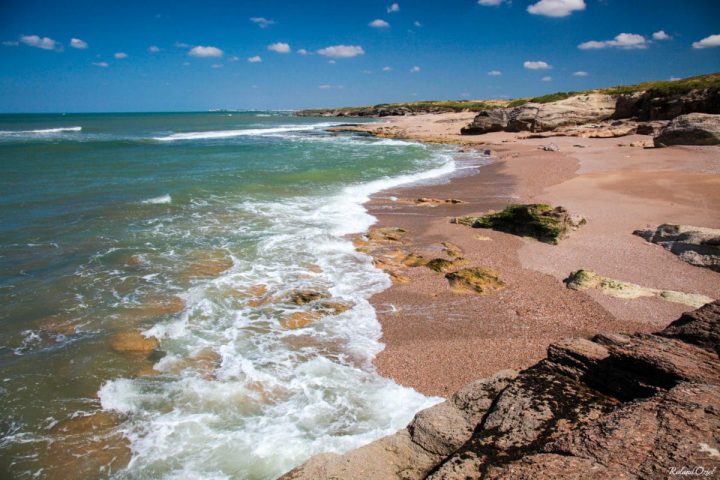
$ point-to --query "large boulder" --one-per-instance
(691, 129)
(488, 121)
(699, 246)
(657, 105)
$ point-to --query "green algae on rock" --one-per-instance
(442, 265)
(537, 220)
(480, 280)
(585, 280)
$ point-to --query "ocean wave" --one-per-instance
(42, 131)
(248, 132)
(163, 199)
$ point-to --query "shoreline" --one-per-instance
(437, 340)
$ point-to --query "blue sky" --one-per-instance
(187, 55)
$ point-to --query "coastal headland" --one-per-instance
(587, 219)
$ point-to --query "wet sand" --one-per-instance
(437, 340)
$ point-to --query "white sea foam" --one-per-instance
(163, 199)
(42, 131)
(247, 132)
(277, 395)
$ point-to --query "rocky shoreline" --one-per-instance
(468, 302)
(613, 406)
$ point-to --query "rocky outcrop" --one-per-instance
(536, 220)
(614, 406)
(657, 105)
(699, 246)
(691, 129)
(544, 117)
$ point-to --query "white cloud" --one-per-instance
(40, 42)
(182, 45)
(153, 49)
(326, 86)
(417, 24)
(101, 64)
(332, 62)
(120, 55)
(393, 8)
(490, 3)
(556, 8)
(707, 42)
(661, 35)
(201, 51)
(216, 65)
(546, 79)
(77, 43)
(342, 51)
(262, 22)
(234, 58)
(10, 43)
(302, 51)
(626, 41)
(387, 69)
(415, 69)
(494, 73)
(580, 73)
(279, 47)
(255, 59)
(536, 65)
(379, 23)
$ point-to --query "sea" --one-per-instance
(191, 233)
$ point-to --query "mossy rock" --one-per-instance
(412, 260)
(480, 280)
(442, 265)
(536, 220)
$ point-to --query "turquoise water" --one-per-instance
(194, 229)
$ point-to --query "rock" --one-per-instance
(691, 129)
(434, 202)
(133, 342)
(551, 147)
(488, 121)
(539, 221)
(301, 319)
(442, 265)
(642, 144)
(452, 250)
(386, 235)
(699, 246)
(585, 279)
(307, 295)
(615, 406)
(207, 264)
(653, 105)
(476, 280)
(413, 260)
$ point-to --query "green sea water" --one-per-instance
(194, 229)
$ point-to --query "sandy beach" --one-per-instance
(437, 340)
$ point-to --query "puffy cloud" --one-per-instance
(556, 8)
(40, 42)
(279, 47)
(580, 73)
(490, 3)
(216, 65)
(387, 69)
(201, 51)
(342, 51)
(77, 43)
(101, 64)
(234, 58)
(494, 73)
(546, 79)
(707, 42)
(661, 35)
(120, 55)
(417, 24)
(153, 49)
(393, 8)
(627, 41)
(379, 23)
(302, 51)
(182, 45)
(262, 22)
(536, 65)
(415, 69)
(255, 59)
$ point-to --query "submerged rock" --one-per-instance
(539, 221)
(699, 246)
(475, 279)
(691, 129)
(614, 406)
(133, 342)
(584, 280)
